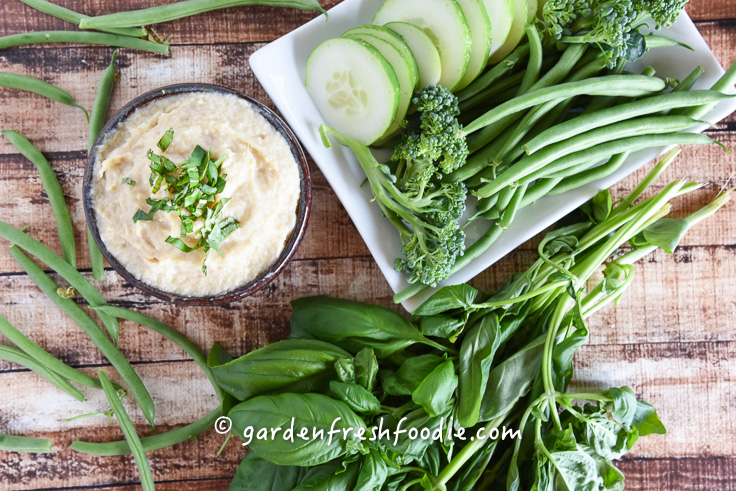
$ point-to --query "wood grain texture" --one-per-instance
(671, 337)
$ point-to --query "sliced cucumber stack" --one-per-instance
(444, 22)
(424, 51)
(516, 33)
(501, 15)
(353, 86)
(480, 34)
(397, 53)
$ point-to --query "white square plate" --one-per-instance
(280, 69)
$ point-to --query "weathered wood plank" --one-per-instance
(242, 24)
(679, 474)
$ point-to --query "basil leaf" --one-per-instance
(624, 404)
(352, 325)
(356, 397)
(436, 390)
(476, 356)
(411, 373)
(448, 298)
(366, 368)
(373, 472)
(413, 448)
(511, 380)
(441, 326)
(329, 477)
(218, 356)
(165, 141)
(128, 181)
(646, 420)
(666, 233)
(292, 365)
(345, 369)
(296, 415)
(257, 474)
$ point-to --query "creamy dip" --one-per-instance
(262, 182)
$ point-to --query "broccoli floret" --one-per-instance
(436, 147)
(613, 25)
(427, 222)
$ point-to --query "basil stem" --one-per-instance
(131, 436)
(53, 191)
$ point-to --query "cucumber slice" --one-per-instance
(501, 13)
(424, 51)
(407, 76)
(516, 33)
(354, 88)
(480, 34)
(444, 22)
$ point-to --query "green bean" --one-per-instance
(30, 84)
(619, 113)
(144, 469)
(726, 82)
(555, 75)
(535, 59)
(13, 443)
(504, 197)
(688, 82)
(607, 150)
(90, 328)
(44, 358)
(17, 356)
(499, 70)
(484, 206)
(169, 333)
(68, 272)
(653, 41)
(628, 200)
(178, 10)
(622, 85)
(495, 89)
(154, 442)
(509, 213)
(97, 121)
(83, 37)
(582, 178)
(540, 188)
(531, 165)
(74, 17)
(534, 115)
(53, 191)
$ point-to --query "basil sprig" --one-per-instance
(193, 187)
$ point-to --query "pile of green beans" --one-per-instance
(179, 10)
(564, 127)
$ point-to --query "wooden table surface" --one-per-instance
(672, 338)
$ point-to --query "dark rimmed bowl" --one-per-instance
(303, 209)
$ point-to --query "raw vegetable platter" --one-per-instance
(280, 67)
(668, 338)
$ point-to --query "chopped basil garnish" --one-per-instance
(129, 181)
(192, 186)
